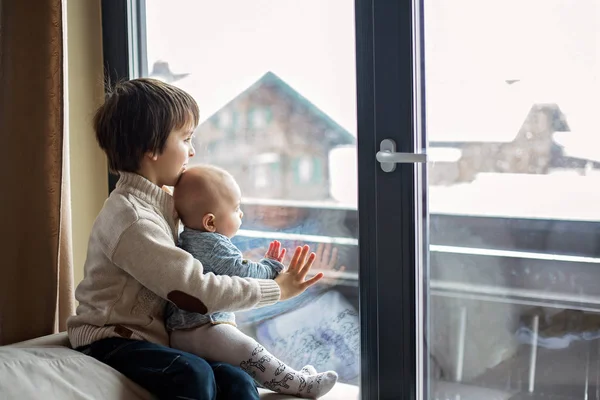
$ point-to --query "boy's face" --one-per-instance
(171, 163)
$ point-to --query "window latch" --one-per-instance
(388, 157)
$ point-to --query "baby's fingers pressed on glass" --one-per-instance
(276, 252)
(271, 252)
(281, 256)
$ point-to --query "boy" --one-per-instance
(207, 200)
(133, 266)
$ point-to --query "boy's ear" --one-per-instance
(152, 156)
(208, 223)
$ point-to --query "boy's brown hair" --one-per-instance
(137, 117)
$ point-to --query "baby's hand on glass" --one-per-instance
(275, 251)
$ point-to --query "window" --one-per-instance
(511, 88)
(227, 122)
(308, 170)
(251, 70)
(266, 169)
(259, 118)
(304, 169)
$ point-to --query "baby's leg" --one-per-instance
(226, 343)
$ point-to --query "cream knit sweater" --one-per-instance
(133, 267)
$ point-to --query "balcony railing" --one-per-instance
(541, 262)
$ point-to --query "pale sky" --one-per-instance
(472, 46)
(228, 45)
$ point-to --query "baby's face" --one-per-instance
(228, 214)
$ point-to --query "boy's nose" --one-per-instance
(192, 151)
(241, 214)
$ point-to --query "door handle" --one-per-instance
(388, 157)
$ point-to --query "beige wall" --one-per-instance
(89, 181)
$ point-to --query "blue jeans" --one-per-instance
(172, 374)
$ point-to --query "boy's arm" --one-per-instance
(147, 252)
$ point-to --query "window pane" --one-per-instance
(512, 104)
(275, 82)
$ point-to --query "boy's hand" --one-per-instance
(275, 251)
(292, 280)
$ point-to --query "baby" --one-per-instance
(207, 200)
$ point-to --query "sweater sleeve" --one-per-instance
(147, 252)
(222, 257)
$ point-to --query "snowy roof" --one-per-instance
(582, 145)
(471, 112)
(494, 112)
(560, 195)
(582, 111)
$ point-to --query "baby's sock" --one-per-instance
(318, 385)
(275, 375)
(308, 370)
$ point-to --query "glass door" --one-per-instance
(457, 272)
(511, 103)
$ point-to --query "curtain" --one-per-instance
(36, 277)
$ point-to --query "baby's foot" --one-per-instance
(318, 385)
(308, 370)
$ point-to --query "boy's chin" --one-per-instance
(176, 179)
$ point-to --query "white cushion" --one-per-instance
(46, 368)
(60, 373)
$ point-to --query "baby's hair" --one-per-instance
(137, 117)
(199, 190)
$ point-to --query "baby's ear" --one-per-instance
(208, 223)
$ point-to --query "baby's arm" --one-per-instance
(226, 259)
